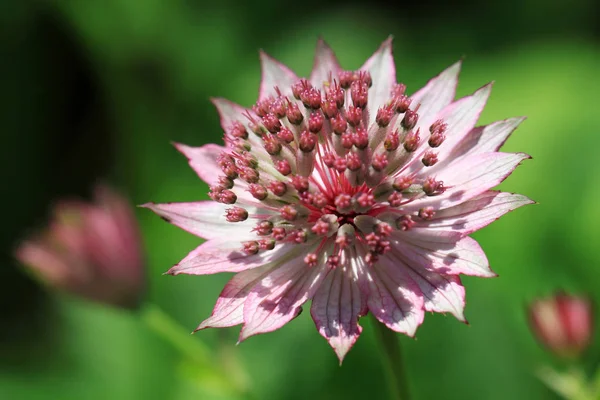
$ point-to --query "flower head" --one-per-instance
(92, 250)
(349, 193)
(563, 323)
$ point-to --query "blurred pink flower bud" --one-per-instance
(92, 250)
(563, 323)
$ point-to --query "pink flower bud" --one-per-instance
(92, 250)
(563, 323)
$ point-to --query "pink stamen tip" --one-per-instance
(319, 200)
(299, 236)
(300, 183)
(258, 191)
(360, 139)
(383, 229)
(278, 107)
(227, 196)
(283, 167)
(330, 108)
(272, 145)
(398, 89)
(299, 87)
(278, 188)
(395, 199)
(311, 259)
(411, 141)
(384, 116)
(329, 159)
(225, 182)
(392, 141)
(379, 162)
(353, 161)
(264, 228)
(405, 223)
(279, 233)
(347, 140)
(402, 183)
(354, 115)
(340, 164)
(307, 142)
(338, 124)
(402, 103)
(365, 200)
(271, 122)
(321, 227)
(426, 213)
(238, 130)
(410, 119)
(249, 175)
(343, 202)
(266, 244)
(236, 214)
(429, 158)
(346, 79)
(431, 187)
(315, 122)
(311, 98)
(250, 248)
(359, 92)
(336, 94)
(285, 135)
(333, 261)
(294, 115)
(288, 213)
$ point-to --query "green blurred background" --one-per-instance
(98, 88)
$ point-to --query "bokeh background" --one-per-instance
(97, 89)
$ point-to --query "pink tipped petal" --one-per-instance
(394, 297)
(474, 214)
(382, 68)
(423, 252)
(275, 74)
(277, 299)
(441, 293)
(229, 310)
(326, 65)
(203, 161)
(226, 255)
(470, 177)
(203, 218)
(336, 307)
(437, 94)
(485, 139)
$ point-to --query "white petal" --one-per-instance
(204, 218)
(472, 215)
(383, 73)
(336, 308)
(437, 94)
(226, 255)
(277, 298)
(326, 65)
(394, 297)
(203, 161)
(229, 310)
(464, 256)
(275, 74)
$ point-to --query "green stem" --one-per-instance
(193, 351)
(392, 360)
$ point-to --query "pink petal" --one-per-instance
(468, 178)
(441, 293)
(443, 257)
(485, 139)
(203, 161)
(225, 255)
(336, 308)
(229, 112)
(472, 215)
(277, 299)
(437, 94)
(383, 73)
(394, 297)
(326, 65)
(275, 74)
(203, 218)
(229, 310)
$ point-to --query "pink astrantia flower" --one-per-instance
(92, 250)
(563, 323)
(344, 190)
